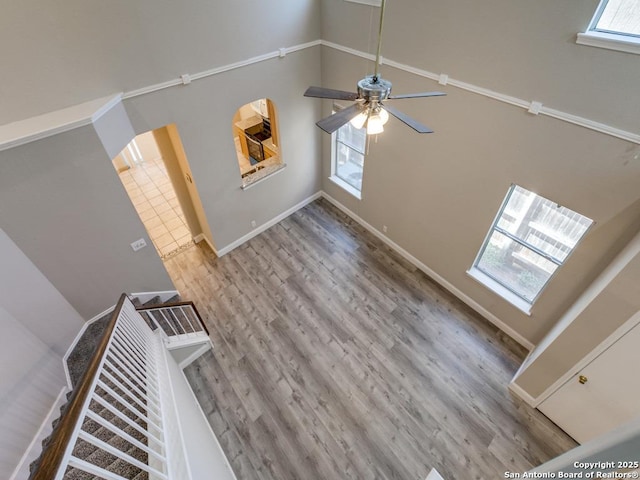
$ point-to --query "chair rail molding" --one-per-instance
(24, 131)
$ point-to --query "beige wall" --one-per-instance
(439, 193)
(202, 113)
(519, 48)
(80, 50)
(612, 299)
(62, 203)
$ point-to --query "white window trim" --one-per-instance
(373, 3)
(500, 290)
(350, 189)
(610, 41)
(345, 186)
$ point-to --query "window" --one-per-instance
(615, 25)
(530, 238)
(349, 145)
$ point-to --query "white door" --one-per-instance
(603, 395)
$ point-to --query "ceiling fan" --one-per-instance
(368, 111)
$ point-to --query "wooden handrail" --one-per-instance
(176, 304)
(53, 453)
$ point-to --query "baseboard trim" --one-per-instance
(439, 279)
(268, 224)
(519, 392)
(33, 450)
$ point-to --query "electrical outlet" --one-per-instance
(384, 228)
(138, 244)
(253, 224)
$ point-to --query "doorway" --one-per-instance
(154, 179)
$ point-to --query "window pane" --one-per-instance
(543, 224)
(516, 267)
(620, 16)
(531, 237)
(354, 137)
(349, 165)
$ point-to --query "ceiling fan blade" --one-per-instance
(417, 95)
(335, 121)
(321, 92)
(417, 126)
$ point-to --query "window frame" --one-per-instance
(373, 3)
(334, 160)
(608, 39)
(500, 288)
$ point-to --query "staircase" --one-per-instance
(79, 358)
(113, 417)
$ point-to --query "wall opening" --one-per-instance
(256, 137)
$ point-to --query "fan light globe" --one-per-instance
(384, 116)
(374, 125)
(376, 121)
(359, 120)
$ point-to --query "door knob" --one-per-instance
(582, 379)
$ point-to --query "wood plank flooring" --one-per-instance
(334, 358)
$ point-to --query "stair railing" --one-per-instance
(178, 318)
(119, 391)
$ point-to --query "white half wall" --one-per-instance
(205, 457)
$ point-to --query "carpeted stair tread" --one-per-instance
(106, 460)
(129, 396)
(153, 302)
(90, 452)
(82, 353)
(184, 322)
(118, 422)
(121, 372)
(116, 403)
(75, 474)
(93, 427)
(175, 319)
(119, 376)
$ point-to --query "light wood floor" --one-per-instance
(336, 359)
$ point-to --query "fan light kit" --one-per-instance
(368, 111)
